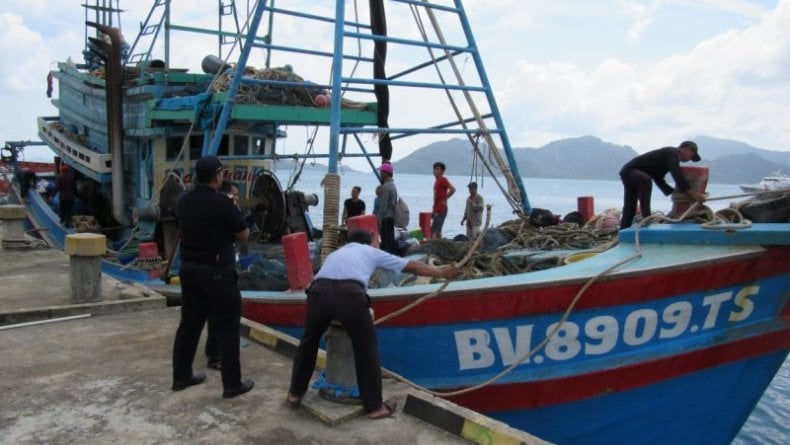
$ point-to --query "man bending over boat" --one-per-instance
(639, 173)
(209, 223)
(339, 291)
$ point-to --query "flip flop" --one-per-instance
(391, 405)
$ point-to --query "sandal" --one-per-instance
(293, 401)
(392, 407)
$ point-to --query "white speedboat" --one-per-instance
(777, 181)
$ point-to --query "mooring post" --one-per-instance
(13, 219)
(85, 251)
(341, 376)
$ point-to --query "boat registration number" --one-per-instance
(601, 334)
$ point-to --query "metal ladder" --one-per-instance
(149, 32)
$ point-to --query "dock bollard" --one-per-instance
(13, 218)
(85, 251)
(341, 375)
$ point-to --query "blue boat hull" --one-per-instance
(707, 407)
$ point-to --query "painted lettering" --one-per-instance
(565, 343)
(678, 316)
(604, 329)
(473, 349)
(510, 353)
(600, 334)
(744, 306)
(714, 301)
(644, 318)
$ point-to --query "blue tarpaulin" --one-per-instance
(204, 113)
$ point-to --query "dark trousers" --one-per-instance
(345, 301)
(66, 212)
(208, 291)
(638, 186)
(212, 345)
(387, 233)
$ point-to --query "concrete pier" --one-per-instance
(106, 379)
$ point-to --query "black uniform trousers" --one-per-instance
(208, 291)
(346, 301)
(638, 186)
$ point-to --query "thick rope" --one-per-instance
(331, 185)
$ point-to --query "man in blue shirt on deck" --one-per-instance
(339, 291)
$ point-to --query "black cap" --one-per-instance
(691, 145)
(208, 164)
(360, 236)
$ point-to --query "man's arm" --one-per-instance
(419, 268)
(450, 190)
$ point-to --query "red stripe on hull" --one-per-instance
(492, 305)
(510, 396)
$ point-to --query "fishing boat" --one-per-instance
(777, 181)
(670, 336)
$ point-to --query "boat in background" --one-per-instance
(671, 336)
(772, 183)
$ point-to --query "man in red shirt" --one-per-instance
(442, 191)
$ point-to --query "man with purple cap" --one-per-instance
(386, 216)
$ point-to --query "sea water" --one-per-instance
(768, 423)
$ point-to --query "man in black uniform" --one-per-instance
(638, 173)
(210, 223)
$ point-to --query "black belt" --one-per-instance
(331, 281)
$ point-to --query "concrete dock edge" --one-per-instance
(445, 415)
(27, 315)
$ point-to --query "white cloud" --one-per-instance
(735, 85)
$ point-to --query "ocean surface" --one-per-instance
(769, 423)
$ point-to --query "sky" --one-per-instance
(639, 73)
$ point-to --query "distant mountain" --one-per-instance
(455, 153)
(588, 157)
(312, 166)
(581, 158)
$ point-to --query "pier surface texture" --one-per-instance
(69, 377)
